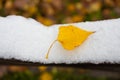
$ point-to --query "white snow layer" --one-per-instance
(28, 40)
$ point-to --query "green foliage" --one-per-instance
(94, 16)
(26, 75)
(61, 75)
(74, 76)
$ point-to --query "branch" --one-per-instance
(102, 66)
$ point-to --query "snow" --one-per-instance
(28, 40)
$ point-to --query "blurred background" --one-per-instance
(51, 12)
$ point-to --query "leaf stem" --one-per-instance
(49, 49)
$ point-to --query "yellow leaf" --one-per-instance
(71, 7)
(42, 68)
(70, 37)
(46, 76)
(77, 18)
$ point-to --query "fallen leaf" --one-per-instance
(46, 76)
(70, 37)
